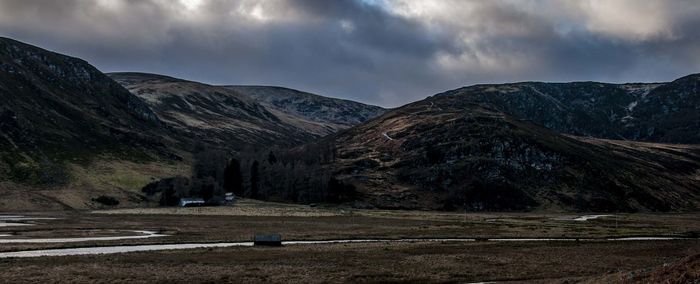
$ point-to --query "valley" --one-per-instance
(539, 239)
(524, 182)
(354, 141)
(506, 147)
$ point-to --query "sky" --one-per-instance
(383, 52)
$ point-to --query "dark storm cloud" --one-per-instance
(386, 52)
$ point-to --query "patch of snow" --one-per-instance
(640, 90)
(387, 136)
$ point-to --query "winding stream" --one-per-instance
(115, 249)
(141, 235)
(19, 220)
(12, 220)
(142, 248)
(590, 217)
(3, 224)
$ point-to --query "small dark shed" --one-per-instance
(267, 240)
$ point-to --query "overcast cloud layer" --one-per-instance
(385, 52)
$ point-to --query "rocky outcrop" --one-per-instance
(655, 112)
(669, 113)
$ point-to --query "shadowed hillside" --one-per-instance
(71, 137)
(57, 108)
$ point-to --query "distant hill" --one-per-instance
(211, 114)
(236, 116)
(316, 114)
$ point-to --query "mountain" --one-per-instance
(653, 112)
(71, 135)
(442, 154)
(315, 114)
(236, 116)
(57, 108)
(507, 147)
(210, 114)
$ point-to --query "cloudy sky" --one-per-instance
(385, 52)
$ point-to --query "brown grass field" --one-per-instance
(598, 261)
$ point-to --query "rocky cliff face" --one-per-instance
(669, 113)
(661, 112)
(313, 113)
(57, 108)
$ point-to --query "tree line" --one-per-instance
(266, 174)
